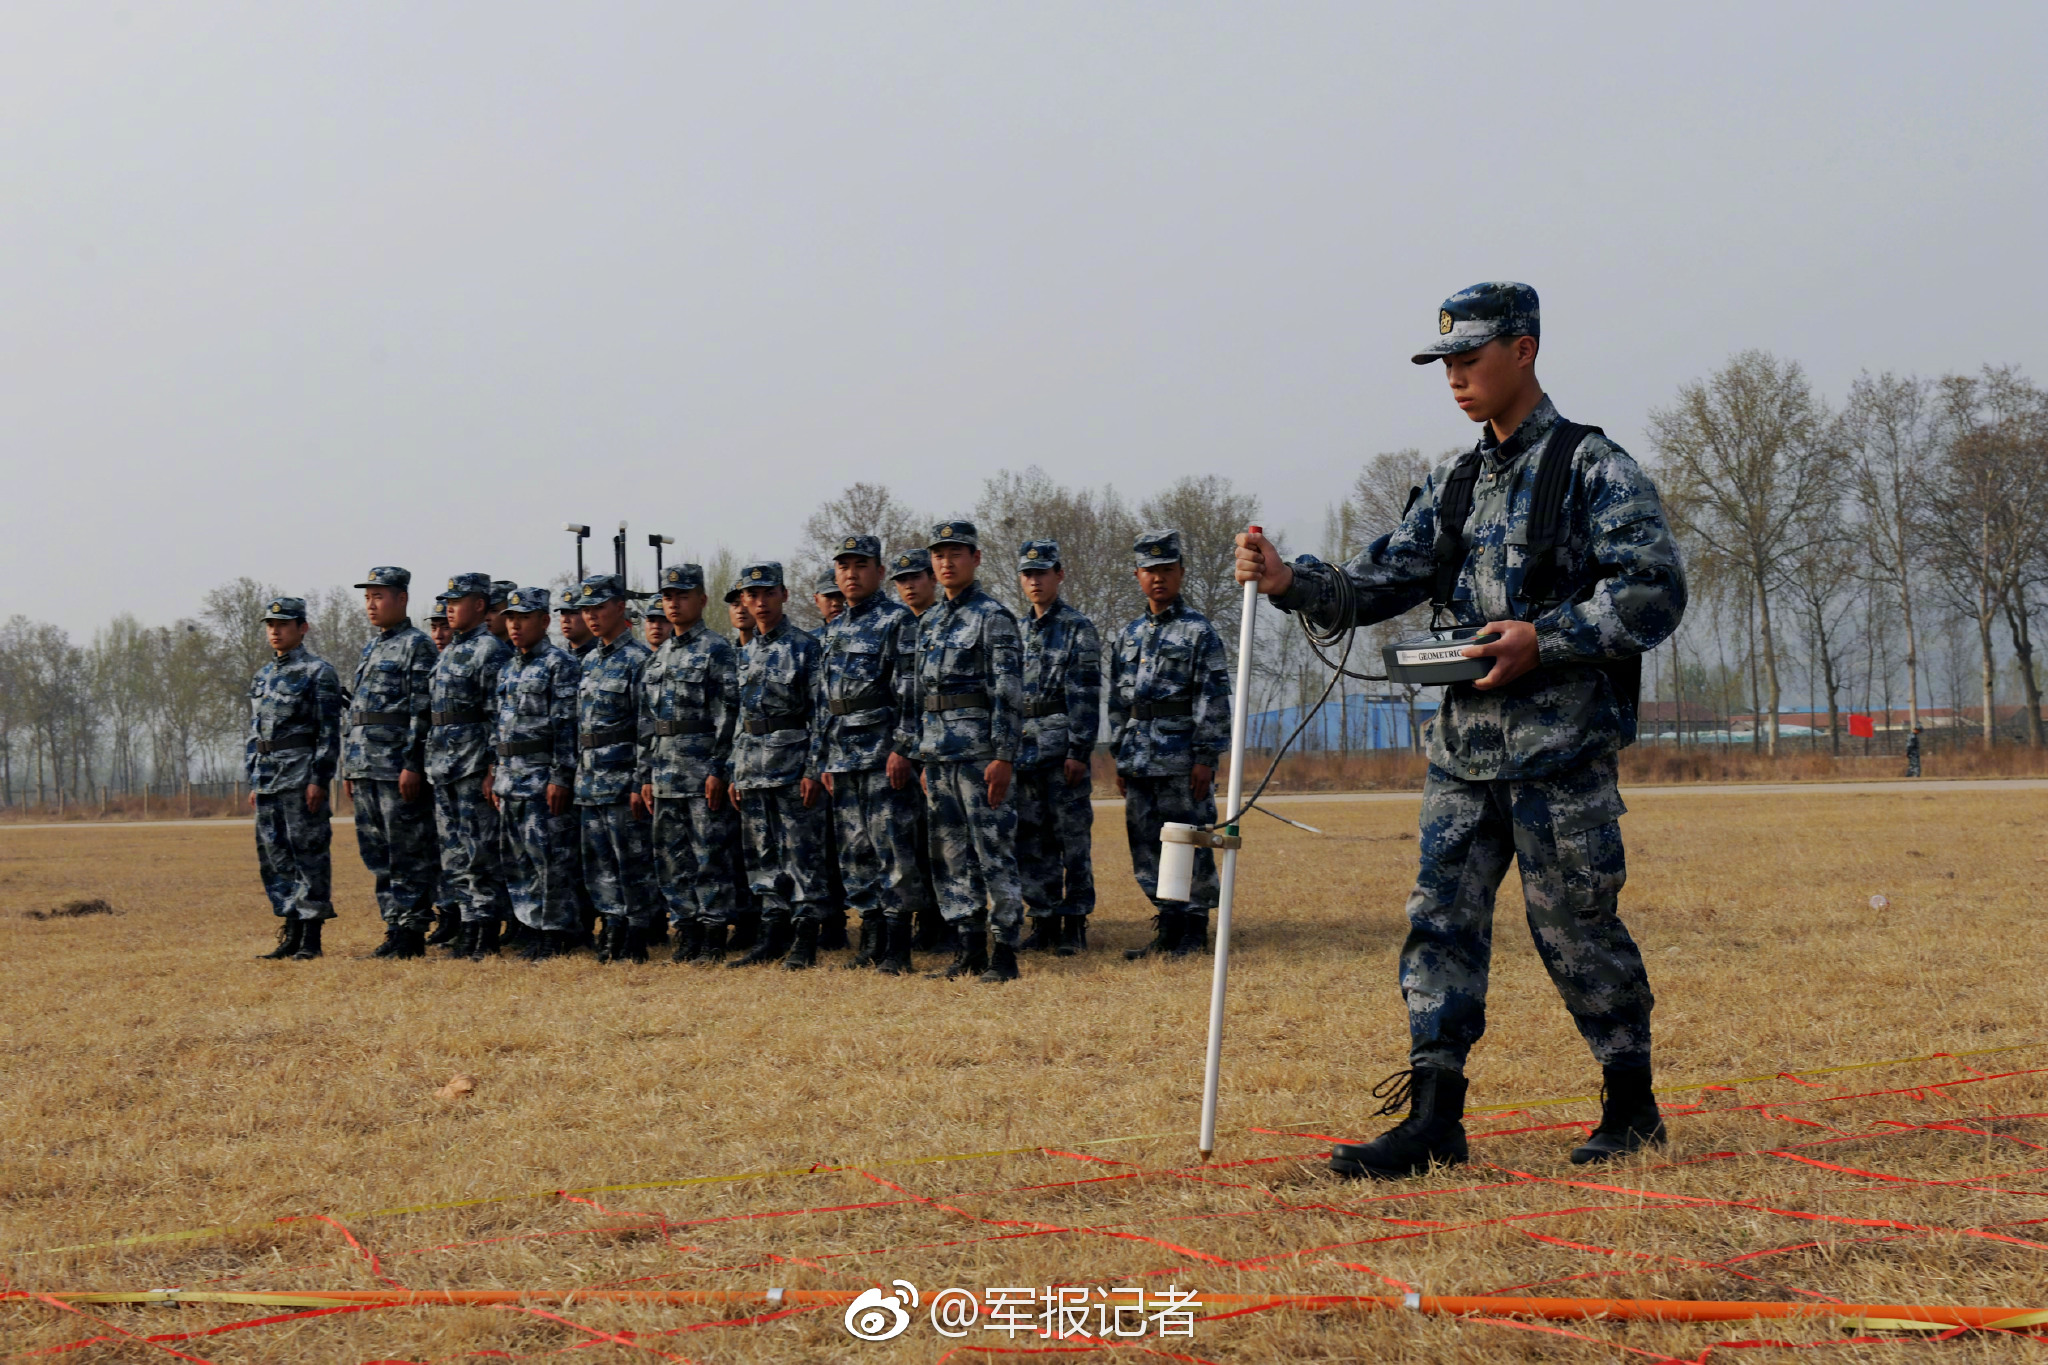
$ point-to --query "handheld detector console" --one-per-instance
(1437, 658)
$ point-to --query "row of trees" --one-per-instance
(1889, 552)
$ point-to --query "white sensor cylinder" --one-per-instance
(1176, 862)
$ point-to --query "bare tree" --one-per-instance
(1892, 434)
(860, 509)
(1746, 465)
(1094, 530)
(1208, 512)
(1821, 578)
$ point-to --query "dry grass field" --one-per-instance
(838, 1130)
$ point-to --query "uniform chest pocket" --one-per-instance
(531, 698)
(960, 660)
(612, 686)
(858, 661)
(385, 681)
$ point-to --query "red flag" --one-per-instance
(1861, 727)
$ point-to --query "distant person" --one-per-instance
(384, 763)
(1522, 762)
(465, 685)
(829, 599)
(618, 863)
(910, 574)
(532, 779)
(438, 629)
(1062, 692)
(1913, 753)
(294, 745)
(501, 593)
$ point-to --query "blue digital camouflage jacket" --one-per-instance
(294, 724)
(1169, 694)
(777, 691)
(535, 705)
(608, 722)
(1618, 575)
(960, 704)
(857, 689)
(465, 685)
(1062, 687)
(691, 691)
(387, 722)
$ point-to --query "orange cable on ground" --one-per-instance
(1633, 1310)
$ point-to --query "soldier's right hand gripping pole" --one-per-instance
(1240, 723)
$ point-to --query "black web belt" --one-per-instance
(1154, 710)
(271, 746)
(665, 728)
(1044, 706)
(866, 699)
(618, 734)
(468, 715)
(770, 725)
(955, 701)
(383, 718)
(518, 748)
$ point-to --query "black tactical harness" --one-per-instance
(1546, 533)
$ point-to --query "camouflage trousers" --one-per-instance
(1912, 765)
(618, 866)
(974, 850)
(396, 838)
(1564, 832)
(876, 826)
(1149, 803)
(693, 852)
(446, 898)
(292, 855)
(543, 863)
(472, 850)
(1055, 839)
(786, 851)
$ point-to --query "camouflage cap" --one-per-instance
(762, 573)
(828, 585)
(955, 533)
(440, 611)
(523, 601)
(599, 589)
(1157, 546)
(910, 564)
(682, 578)
(285, 609)
(501, 589)
(732, 594)
(388, 576)
(1038, 554)
(467, 585)
(1472, 317)
(871, 546)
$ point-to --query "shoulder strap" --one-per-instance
(1546, 506)
(1453, 506)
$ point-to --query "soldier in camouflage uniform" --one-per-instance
(578, 641)
(910, 574)
(871, 782)
(447, 898)
(501, 595)
(437, 625)
(618, 865)
(465, 683)
(1062, 699)
(532, 778)
(689, 704)
(293, 747)
(829, 598)
(959, 718)
(782, 806)
(1169, 718)
(1521, 762)
(384, 763)
(746, 917)
(830, 602)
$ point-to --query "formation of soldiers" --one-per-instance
(921, 762)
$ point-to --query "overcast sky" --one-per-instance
(294, 289)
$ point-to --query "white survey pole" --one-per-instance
(1240, 706)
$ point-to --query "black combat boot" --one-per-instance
(895, 958)
(871, 936)
(804, 951)
(516, 934)
(713, 951)
(972, 959)
(657, 935)
(1002, 963)
(1044, 936)
(607, 936)
(1194, 934)
(689, 941)
(483, 942)
(410, 943)
(746, 930)
(1073, 936)
(1432, 1134)
(832, 930)
(539, 946)
(1165, 937)
(563, 942)
(309, 940)
(389, 947)
(459, 948)
(773, 942)
(290, 930)
(631, 944)
(933, 934)
(1629, 1119)
(447, 929)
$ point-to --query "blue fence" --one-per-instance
(1362, 722)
